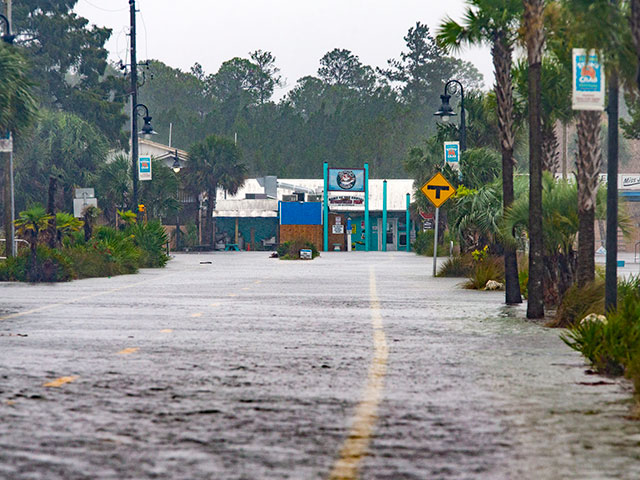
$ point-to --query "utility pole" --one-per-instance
(134, 103)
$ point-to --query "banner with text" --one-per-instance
(144, 168)
(588, 80)
(452, 154)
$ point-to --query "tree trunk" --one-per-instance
(635, 30)
(7, 204)
(52, 237)
(588, 163)
(534, 33)
(550, 147)
(501, 52)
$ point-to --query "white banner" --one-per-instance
(144, 168)
(588, 80)
(6, 143)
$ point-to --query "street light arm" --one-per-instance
(142, 105)
(463, 126)
(7, 37)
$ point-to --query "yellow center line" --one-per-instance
(75, 300)
(246, 288)
(199, 314)
(258, 281)
(214, 305)
(60, 381)
(366, 414)
(128, 351)
(166, 330)
(232, 295)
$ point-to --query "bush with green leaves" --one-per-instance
(48, 265)
(485, 269)
(152, 240)
(424, 244)
(579, 302)
(291, 250)
(611, 343)
(457, 266)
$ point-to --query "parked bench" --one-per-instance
(231, 246)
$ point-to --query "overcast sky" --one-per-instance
(297, 32)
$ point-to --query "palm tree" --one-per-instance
(534, 39)
(113, 186)
(66, 224)
(213, 163)
(17, 112)
(30, 223)
(495, 22)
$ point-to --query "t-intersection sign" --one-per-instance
(438, 190)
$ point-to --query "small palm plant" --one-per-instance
(66, 224)
(29, 224)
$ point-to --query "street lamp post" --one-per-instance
(446, 111)
(176, 167)
(146, 131)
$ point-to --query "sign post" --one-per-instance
(437, 190)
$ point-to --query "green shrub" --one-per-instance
(152, 240)
(490, 268)
(291, 250)
(49, 266)
(578, 303)
(424, 244)
(457, 266)
(523, 276)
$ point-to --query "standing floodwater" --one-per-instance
(257, 368)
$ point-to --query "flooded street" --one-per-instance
(349, 366)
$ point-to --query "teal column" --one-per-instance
(325, 215)
(384, 216)
(408, 223)
(367, 226)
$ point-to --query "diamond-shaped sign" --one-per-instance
(438, 190)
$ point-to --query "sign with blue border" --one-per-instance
(452, 154)
(588, 80)
(346, 180)
(144, 168)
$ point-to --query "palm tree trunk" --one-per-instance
(208, 218)
(7, 204)
(501, 52)
(635, 30)
(588, 163)
(52, 238)
(534, 33)
(550, 147)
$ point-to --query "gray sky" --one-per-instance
(297, 32)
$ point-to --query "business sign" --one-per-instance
(452, 154)
(346, 201)
(346, 179)
(144, 168)
(438, 190)
(6, 143)
(588, 80)
(629, 181)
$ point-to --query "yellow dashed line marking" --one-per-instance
(214, 305)
(11, 402)
(232, 295)
(58, 382)
(356, 445)
(246, 288)
(199, 314)
(258, 281)
(128, 351)
(166, 330)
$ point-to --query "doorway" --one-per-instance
(391, 235)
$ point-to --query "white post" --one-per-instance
(435, 242)
(170, 132)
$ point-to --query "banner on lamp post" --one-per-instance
(6, 143)
(452, 154)
(588, 80)
(144, 168)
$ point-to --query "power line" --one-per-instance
(104, 9)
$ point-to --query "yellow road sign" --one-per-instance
(438, 190)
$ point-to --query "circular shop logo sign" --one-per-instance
(346, 179)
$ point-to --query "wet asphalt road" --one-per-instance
(255, 368)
